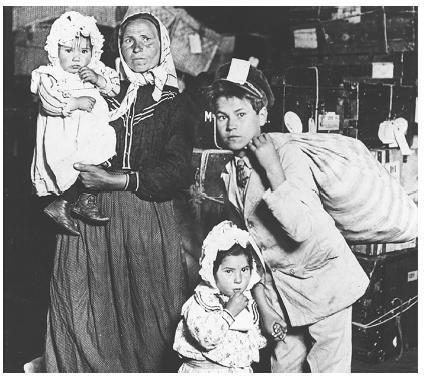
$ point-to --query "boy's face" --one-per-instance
(75, 54)
(233, 275)
(237, 122)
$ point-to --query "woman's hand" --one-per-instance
(263, 149)
(236, 303)
(96, 178)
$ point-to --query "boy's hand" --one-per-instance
(279, 331)
(236, 303)
(263, 149)
(273, 324)
(88, 75)
(86, 103)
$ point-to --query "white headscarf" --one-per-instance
(163, 74)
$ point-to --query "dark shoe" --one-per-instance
(59, 211)
(86, 208)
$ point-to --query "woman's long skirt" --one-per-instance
(117, 291)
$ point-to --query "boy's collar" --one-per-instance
(242, 154)
(246, 160)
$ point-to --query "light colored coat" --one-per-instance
(311, 265)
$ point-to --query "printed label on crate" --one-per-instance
(394, 169)
(208, 116)
(412, 275)
(351, 14)
(195, 43)
(305, 38)
(400, 130)
(382, 70)
(401, 245)
(238, 71)
(415, 111)
(328, 122)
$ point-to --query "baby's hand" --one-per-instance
(236, 303)
(88, 75)
(86, 103)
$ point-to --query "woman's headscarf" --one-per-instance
(162, 74)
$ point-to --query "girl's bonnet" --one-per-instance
(222, 237)
(72, 25)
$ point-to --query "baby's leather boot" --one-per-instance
(59, 211)
(86, 208)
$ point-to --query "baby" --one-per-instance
(219, 330)
(72, 125)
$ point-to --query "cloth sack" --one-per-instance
(366, 202)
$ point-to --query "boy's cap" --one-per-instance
(242, 74)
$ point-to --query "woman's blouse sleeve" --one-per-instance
(160, 180)
(53, 101)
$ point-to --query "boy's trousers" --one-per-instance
(326, 345)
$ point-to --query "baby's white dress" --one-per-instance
(65, 137)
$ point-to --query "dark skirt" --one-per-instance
(117, 291)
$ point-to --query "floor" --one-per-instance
(25, 324)
(407, 364)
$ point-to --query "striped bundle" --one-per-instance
(367, 204)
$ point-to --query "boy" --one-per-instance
(312, 276)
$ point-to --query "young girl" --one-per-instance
(72, 124)
(219, 330)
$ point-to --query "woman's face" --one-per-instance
(140, 45)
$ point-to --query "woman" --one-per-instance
(117, 291)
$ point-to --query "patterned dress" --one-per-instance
(210, 339)
(117, 290)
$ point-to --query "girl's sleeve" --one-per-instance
(256, 334)
(112, 87)
(207, 326)
(162, 179)
(257, 339)
(52, 100)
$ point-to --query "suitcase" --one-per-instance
(208, 191)
(385, 319)
(315, 93)
(200, 209)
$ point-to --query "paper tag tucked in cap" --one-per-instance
(238, 71)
